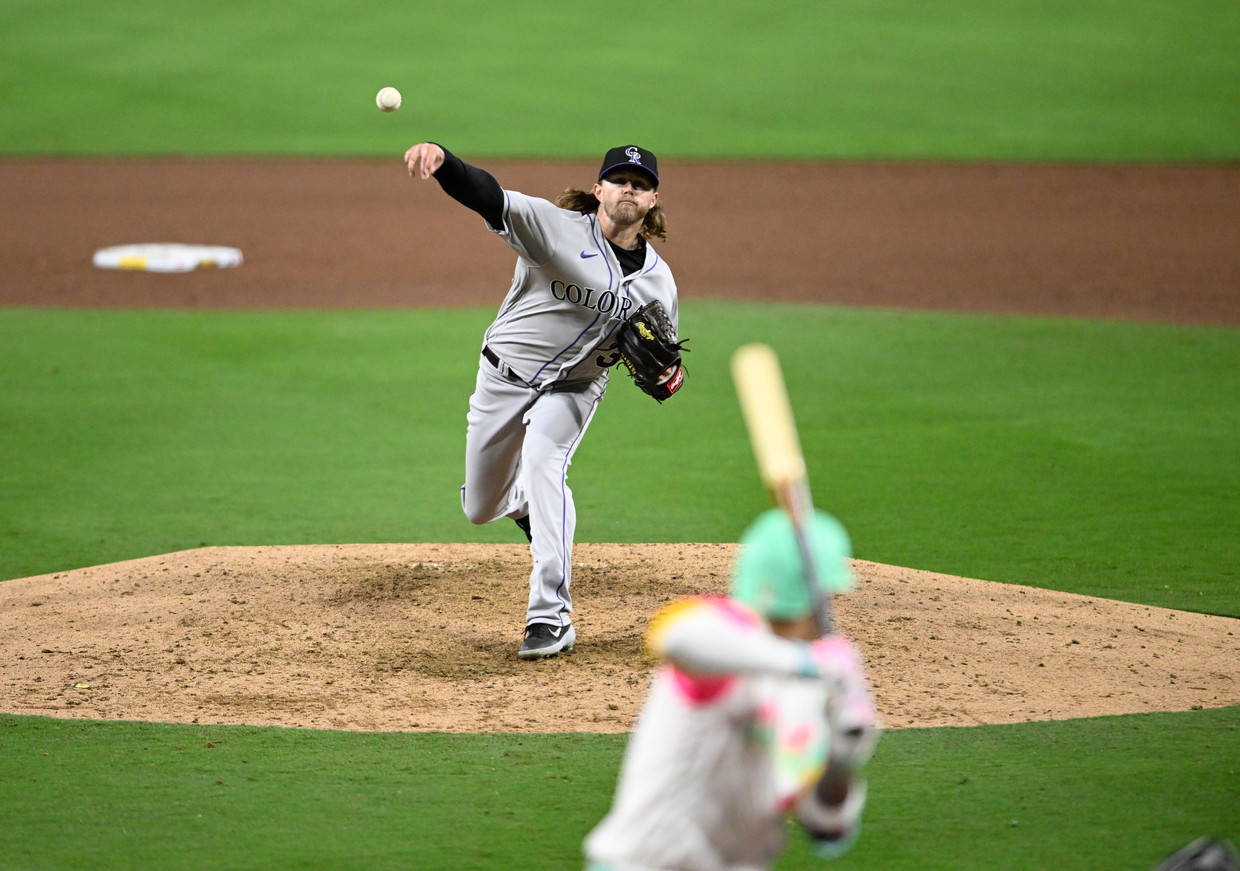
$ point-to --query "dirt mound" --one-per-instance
(424, 637)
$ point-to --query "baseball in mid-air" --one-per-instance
(388, 99)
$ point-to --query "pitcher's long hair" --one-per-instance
(577, 200)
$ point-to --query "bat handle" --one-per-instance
(795, 498)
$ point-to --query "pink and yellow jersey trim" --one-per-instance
(697, 690)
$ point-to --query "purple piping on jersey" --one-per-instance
(653, 263)
(562, 351)
(611, 278)
(566, 568)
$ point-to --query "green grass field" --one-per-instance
(973, 79)
(1089, 456)
(1112, 792)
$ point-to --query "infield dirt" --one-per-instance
(423, 637)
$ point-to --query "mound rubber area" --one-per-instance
(424, 637)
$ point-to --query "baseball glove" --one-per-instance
(649, 349)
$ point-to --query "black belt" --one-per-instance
(500, 366)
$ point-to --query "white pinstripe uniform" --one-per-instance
(712, 767)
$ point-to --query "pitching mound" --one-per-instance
(424, 637)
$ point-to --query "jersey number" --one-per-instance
(607, 360)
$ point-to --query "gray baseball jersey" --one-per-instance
(568, 294)
(545, 366)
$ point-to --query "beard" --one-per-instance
(624, 214)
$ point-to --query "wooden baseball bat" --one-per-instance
(772, 432)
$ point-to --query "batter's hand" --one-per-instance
(424, 160)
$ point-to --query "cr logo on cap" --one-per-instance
(634, 154)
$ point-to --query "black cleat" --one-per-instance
(524, 523)
(543, 640)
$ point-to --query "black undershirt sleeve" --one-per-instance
(472, 187)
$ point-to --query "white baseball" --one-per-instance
(388, 99)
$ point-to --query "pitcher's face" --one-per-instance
(625, 196)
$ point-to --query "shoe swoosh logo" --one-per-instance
(556, 631)
(586, 255)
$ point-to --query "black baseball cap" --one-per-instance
(633, 157)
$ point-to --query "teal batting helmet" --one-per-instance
(769, 575)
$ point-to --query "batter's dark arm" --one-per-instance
(472, 187)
